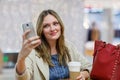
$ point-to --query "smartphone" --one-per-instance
(29, 26)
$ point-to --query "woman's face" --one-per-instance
(51, 28)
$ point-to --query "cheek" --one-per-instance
(45, 32)
(59, 28)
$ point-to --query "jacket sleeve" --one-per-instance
(27, 74)
(77, 56)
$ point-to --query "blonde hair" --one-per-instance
(44, 49)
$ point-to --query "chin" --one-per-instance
(53, 38)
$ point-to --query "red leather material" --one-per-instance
(106, 62)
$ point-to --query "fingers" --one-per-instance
(28, 45)
(81, 77)
(35, 43)
(25, 34)
(26, 41)
(32, 42)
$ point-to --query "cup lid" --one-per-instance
(74, 63)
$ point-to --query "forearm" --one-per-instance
(20, 66)
(22, 72)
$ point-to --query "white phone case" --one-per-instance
(29, 26)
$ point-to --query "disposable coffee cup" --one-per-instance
(74, 68)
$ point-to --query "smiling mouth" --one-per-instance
(53, 34)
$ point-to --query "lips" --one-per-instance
(53, 33)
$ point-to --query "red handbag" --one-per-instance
(106, 62)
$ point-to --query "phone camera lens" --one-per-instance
(27, 24)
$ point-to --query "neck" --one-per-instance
(53, 47)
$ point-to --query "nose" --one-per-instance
(52, 27)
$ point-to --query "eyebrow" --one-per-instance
(48, 23)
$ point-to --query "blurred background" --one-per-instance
(85, 21)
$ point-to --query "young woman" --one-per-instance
(45, 57)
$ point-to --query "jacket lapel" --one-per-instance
(43, 67)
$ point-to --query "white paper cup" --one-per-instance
(74, 68)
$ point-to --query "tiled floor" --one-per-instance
(8, 74)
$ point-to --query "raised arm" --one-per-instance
(27, 46)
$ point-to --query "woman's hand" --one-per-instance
(83, 75)
(28, 45)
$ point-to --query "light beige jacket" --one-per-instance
(37, 69)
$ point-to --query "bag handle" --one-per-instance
(98, 46)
